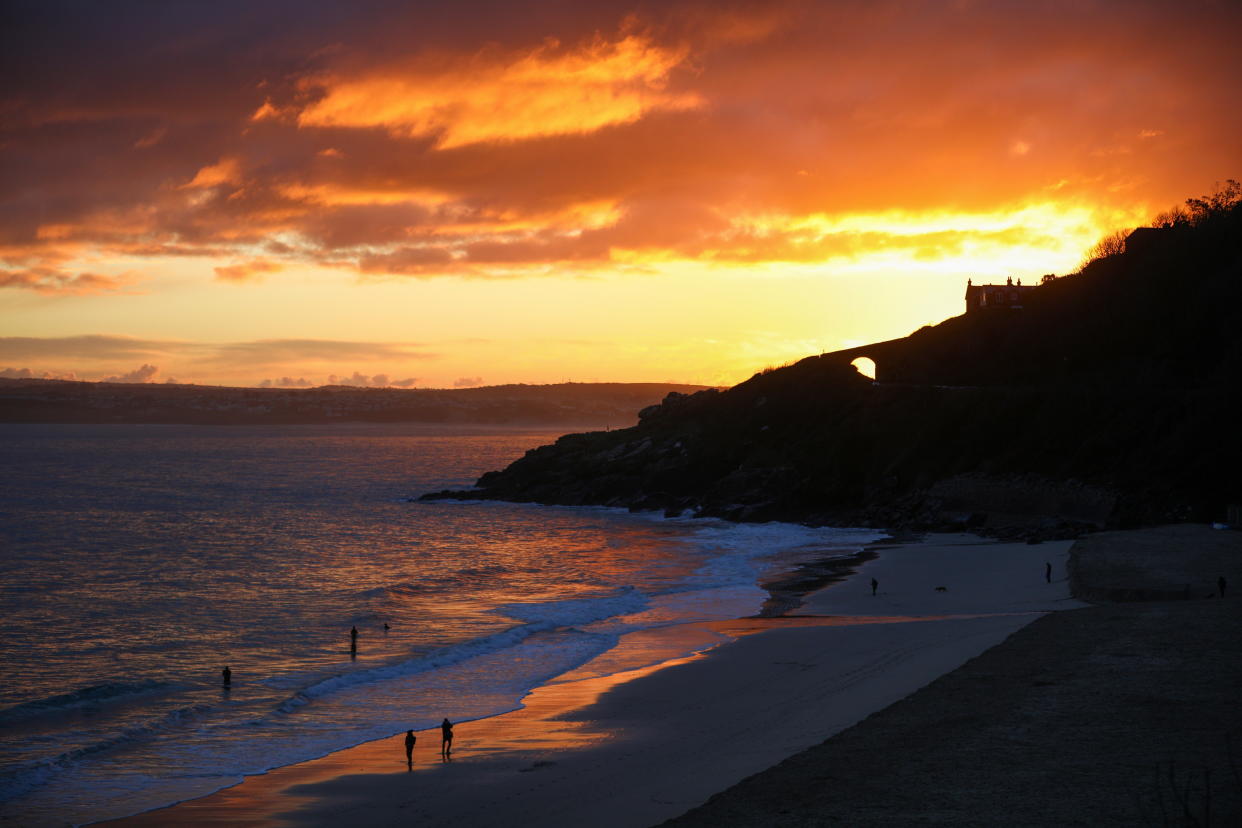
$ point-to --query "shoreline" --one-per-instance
(785, 594)
(653, 736)
(1117, 714)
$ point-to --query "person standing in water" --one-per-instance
(353, 639)
(1048, 573)
(226, 677)
(446, 737)
(410, 739)
(874, 585)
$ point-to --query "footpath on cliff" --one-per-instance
(1120, 714)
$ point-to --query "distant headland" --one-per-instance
(563, 404)
(1107, 397)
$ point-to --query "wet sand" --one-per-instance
(1123, 714)
(641, 746)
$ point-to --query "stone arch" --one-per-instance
(866, 366)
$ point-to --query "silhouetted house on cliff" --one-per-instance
(1145, 239)
(987, 297)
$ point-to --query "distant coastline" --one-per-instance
(606, 404)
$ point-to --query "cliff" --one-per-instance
(1110, 399)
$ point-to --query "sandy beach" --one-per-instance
(638, 747)
(1119, 714)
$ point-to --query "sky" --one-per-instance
(424, 194)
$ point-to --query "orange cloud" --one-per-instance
(246, 271)
(505, 96)
(773, 133)
(52, 280)
(224, 171)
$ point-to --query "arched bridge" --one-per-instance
(886, 355)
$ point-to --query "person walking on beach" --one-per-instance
(226, 676)
(410, 739)
(353, 639)
(446, 737)
(874, 585)
(1047, 572)
(1220, 584)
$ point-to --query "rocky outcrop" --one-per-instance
(818, 443)
(1110, 400)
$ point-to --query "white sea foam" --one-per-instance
(540, 617)
(268, 572)
(575, 611)
(23, 777)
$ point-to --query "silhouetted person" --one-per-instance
(874, 586)
(410, 739)
(386, 627)
(1048, 573)
(446, 737)
(1220, 584)
(353, 639)
(226, 676)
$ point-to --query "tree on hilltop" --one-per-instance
(1224, 200)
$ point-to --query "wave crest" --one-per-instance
(84, 698)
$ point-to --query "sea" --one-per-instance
(137, 561)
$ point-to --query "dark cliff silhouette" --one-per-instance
(1110, 398)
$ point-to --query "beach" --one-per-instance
(639, 747)
(1119, 714)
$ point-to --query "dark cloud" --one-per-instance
(282, 351)
(134, 132)
(53, 356)
(26, 373)
(258, 353)
(92, 347)
(407, 260)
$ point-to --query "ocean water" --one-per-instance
(137, 561)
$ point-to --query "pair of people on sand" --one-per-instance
(446, 742)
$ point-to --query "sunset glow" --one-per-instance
(384, 193)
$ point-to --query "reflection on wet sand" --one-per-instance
(554, 719)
